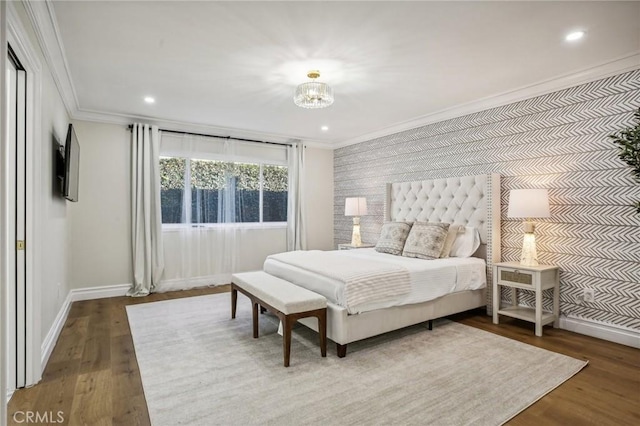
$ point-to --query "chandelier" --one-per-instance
(313, 94)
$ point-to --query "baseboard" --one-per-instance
(9, 395)
(76, 295)
(52, 336)
(90, 293)
(117, 290)
(623, 336)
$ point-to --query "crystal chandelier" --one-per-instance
(313, 94)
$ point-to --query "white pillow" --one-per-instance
(466, 243)
(451, 236)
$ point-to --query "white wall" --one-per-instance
(101, 222)
(100, 231)
(87, 244)
(54, 214)
(319, 198)
(51, 214)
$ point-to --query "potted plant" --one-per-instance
(628, 140)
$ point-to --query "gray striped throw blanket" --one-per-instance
(365, 281)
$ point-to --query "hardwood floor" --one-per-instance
(92, 377)
(606, 392)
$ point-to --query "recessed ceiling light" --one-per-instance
(576, 35)
(149, 100)
(324, 128)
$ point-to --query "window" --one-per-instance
(221, 191)
(172, 174)
(274, 193)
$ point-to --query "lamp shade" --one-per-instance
(356, 206)
(528, 203)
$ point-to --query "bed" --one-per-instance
(455, 284)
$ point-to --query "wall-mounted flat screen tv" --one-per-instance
(71, 169)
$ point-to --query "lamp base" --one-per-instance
(529, 255)
(355, 235)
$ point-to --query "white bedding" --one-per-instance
(429, 279)
(363, 282)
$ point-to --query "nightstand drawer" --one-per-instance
(515, 276)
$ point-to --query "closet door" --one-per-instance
(17, 307)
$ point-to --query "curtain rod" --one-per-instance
(219, 137)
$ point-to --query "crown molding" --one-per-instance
(45, 26)
(127, 119)
(606, 69)
(17, 37)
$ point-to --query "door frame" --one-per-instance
(3, 209)
(21, 45)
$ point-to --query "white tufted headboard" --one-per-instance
(468, 200)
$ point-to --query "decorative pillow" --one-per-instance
(425, 240)
(392, 237)
(466, 243)
(448, 242)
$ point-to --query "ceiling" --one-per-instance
(233, 66)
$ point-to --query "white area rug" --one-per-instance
(199, 367)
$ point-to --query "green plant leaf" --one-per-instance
(628, 141)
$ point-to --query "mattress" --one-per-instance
(429, 279)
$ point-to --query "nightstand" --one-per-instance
(534, 278)
(352, 247)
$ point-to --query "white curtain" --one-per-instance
(296, 235)
(214, 230)
(146, 220)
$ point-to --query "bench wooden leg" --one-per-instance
(255, 319)
(234, 301)
(430, 325)
(342, 350)
(287, 322)
(286, 339)
(322, 331)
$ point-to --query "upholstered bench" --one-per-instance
(284, 299)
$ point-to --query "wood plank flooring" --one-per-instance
(92, 377)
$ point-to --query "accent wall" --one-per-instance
(557, 141)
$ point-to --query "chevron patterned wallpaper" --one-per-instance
(556, 141)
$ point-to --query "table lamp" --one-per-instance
(528, 204)
(355, 207)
